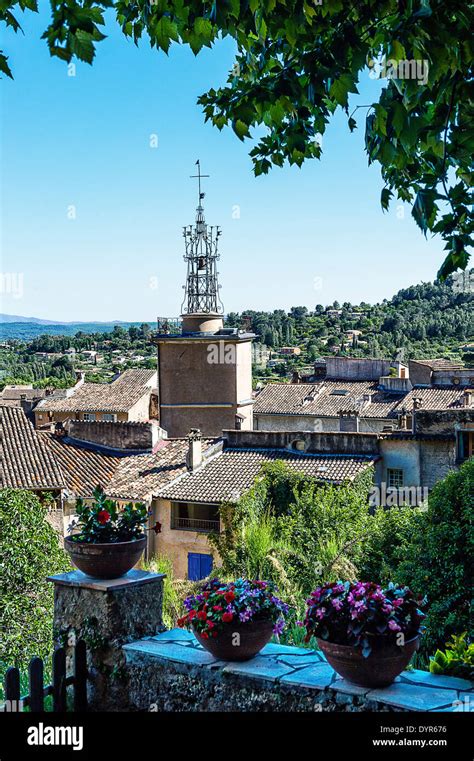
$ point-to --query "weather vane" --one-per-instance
(198, 177)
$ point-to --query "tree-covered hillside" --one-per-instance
(428, 320)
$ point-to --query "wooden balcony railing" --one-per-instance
(194, 524)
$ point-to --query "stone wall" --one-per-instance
(443, 422)
(127, 436)
(172, 672)
(314, 441)
(107, 614)
(136, 666)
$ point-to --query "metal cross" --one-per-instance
(198, 177)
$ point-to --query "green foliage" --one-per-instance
(103, 521)
(172, 600)
(427, 320)
(386, 544)
(29, 552)
(298, 62)
(294, 531)
(456, 660)
(439, 561)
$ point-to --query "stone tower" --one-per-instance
(204, 369)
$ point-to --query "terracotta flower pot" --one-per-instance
(379, 669)
(238, 641)
(105, 561)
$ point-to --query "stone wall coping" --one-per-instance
(300, 668)
(134, 578)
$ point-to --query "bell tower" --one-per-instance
(204, 369)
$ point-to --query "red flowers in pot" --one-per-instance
(234, 620)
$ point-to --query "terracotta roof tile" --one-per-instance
(83, 468)
(323, 400)
(226, 476)
(434, 398)
(26, 462)
(118, 396)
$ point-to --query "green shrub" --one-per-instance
(456, 660)
(439, 561)
(30, 550)
(389, 534)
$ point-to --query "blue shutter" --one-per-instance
(199, 566)
(194, 569)
(206, 565)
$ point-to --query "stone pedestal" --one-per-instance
(106, 614)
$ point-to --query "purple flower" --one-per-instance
(279, 626)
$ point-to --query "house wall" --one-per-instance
(43, 418)
(437, 458)
(265, 422)
(141, 409)
(402, 454)
(357, 369)
(174, 543)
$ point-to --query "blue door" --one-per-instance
(199, 566)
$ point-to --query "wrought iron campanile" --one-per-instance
(201, 292)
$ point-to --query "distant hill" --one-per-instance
(33, 320)
(39, 321)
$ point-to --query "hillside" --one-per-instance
(427, 320)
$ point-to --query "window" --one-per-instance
(89, 417)
(108, 417)
(187, 516)
(465, 445)
(395, 477)
(199, 566)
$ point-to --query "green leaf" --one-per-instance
(240, 128)
(4, 65)
(385, 198)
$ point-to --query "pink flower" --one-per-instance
(337, 603)
(393, 626)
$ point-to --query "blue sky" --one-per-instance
(81, 146)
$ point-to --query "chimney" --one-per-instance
(417, 402)
(194, 458)
(467, 397)
(403, 420)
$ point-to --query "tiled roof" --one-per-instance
(26, 461)
(83, 468)
(322, 400)
(226, 476)
(118, 396)
(142, 476)
(434, 398)
(441, 364)
(31, 394)
(121, 476)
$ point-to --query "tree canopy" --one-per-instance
(297, 63)
(30, 550)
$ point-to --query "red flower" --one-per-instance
(230, 596)
(182, 622)
(191, 614)
(103, 516)
(217, 607)
(204, 635)
(210, 624)
(202, 615)
(227, 617)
